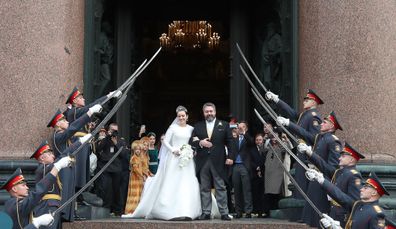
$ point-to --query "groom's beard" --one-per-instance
(210, 118)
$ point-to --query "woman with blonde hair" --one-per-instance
(137, 177)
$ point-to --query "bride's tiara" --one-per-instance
(181, 108)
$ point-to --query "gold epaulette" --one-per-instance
(334, 203)
(354, 171)
(377, 208)
(335, 137)
(51, 197)
(300, 140)
(80, 134)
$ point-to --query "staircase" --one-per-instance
(291, 209)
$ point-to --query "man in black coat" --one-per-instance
(106, 148)
(210, 137)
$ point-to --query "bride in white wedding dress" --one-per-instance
(173, 193)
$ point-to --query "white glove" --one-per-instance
(304, 148)
(117, 94)
(85, 138)
(271, 96)
(312, 175)
(43, 220)
(329, 222)
(282, 121)
(62, 163)
(95, 109)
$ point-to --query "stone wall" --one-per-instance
(347, 54)
(41, 58)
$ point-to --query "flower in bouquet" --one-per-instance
(186, 154)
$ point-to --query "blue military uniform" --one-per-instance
(389, 224)
(328, 147)
(347, 179)
(310, 121)
(20, 209)
(60, 143)
(50, 201)
(82, 158)
(363, 214)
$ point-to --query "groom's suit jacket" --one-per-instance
(221, 137)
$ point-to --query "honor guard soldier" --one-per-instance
(77, 110)
(365, 212)
(309, 120)
(346, 178)
(22, 202)
(61, 140)
(327, 146)
(77, 106)
(389, 224)
(50, 201)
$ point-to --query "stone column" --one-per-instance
(41, 58)
(347, 53)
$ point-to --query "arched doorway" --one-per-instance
(183, 76)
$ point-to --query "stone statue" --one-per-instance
(105, 50)
(271, 65)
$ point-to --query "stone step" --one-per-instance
(92, 212)
(119, 223)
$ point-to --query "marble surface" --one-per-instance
(41, 58)
(141, 223)
(347, 54)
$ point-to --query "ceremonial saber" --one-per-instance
(105, 120)
(116, 106)
(265, 106)
(295, 183)
(250, 68)
(281, 142)
(134, 76)
(255, 89)
(87, 184)
(122, 87)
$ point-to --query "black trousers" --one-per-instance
(111, 188)
(258, 194)
(271, 201)
(242, 189)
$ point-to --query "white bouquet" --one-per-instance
(186, 154)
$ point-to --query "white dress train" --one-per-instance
(174, 191)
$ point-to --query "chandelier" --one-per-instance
(190, 35)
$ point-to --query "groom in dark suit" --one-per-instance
(210, 137)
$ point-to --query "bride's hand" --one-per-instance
(176, 152)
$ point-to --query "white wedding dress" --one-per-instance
(173, 192)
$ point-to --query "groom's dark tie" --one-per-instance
(240, 140)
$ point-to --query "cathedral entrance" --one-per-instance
(119, 35)
(182, 76)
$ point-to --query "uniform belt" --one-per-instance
(51, 197)
(80, 134)
(312, 166)
(153, 163)
(334, 203)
